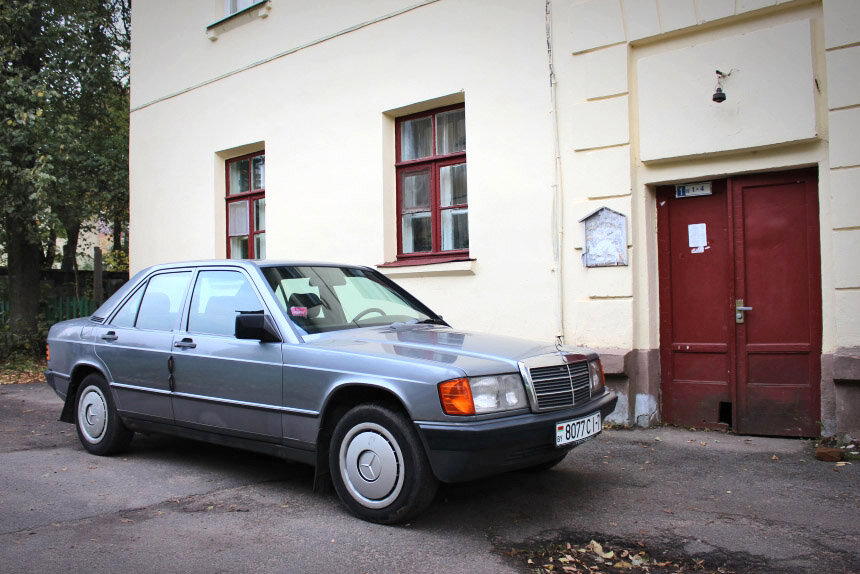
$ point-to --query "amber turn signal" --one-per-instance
(456, 397)
(47, 352)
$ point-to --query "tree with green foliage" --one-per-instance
(64, 136)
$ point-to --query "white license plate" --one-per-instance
(578, 429)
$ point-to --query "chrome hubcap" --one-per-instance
(371, 465)
(92, 414)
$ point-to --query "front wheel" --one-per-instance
(378, 465)
(99, 427)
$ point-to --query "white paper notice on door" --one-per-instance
(698, 236)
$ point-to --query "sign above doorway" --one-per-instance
(693, 189)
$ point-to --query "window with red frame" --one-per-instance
(432, 201)
(246, 207)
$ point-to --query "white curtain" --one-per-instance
(238, 218)
(450, 132)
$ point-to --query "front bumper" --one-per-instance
(466, 451)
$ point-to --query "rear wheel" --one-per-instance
(99, 427)
(378, 465)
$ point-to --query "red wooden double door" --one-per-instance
(740, 305)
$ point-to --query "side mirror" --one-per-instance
(256, 326)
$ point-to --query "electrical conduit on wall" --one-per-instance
(557, 190)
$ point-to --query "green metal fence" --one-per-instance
(57, 309)
(62, 308)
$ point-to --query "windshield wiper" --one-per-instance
(403, 324)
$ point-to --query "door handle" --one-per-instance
(185, 344)
(110, 336)
(739, 310)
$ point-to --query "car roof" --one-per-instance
(106, 307)
(247, 263)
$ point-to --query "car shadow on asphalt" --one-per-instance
(511, 498)
(207, 458)
(475, 506)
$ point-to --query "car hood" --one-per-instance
(473, 353)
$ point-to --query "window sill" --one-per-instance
(444, 268)
(258, 10)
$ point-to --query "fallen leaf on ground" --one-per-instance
(828, 454)
(597, 548)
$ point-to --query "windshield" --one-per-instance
(319, 299)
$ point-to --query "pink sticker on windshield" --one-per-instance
(299, 311)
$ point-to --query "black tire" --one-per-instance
(99, 427)
(543, 466)
(378, 465)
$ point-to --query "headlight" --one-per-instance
(482, 395)
(595, 371)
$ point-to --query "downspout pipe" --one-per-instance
(557, 187)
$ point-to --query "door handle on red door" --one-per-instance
(185, 344)
(739, 310)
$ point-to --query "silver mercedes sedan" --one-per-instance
(331, 365)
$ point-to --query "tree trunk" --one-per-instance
(117, 234)
(23, 247)
(70, 249)
(50, 249)
(24, 257)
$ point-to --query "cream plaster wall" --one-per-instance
(325, 116)
(841, 36)
(170, 40)
(769, 72)
(769, 147)
(318, 85)
(621, 139)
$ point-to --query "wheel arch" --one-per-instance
(79, 373)
(338, 404)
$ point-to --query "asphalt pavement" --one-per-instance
(751, 504)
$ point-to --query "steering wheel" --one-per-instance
(366, 311)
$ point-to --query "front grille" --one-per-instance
(560, 386)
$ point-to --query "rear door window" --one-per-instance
(127, 314)
(162, 302)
